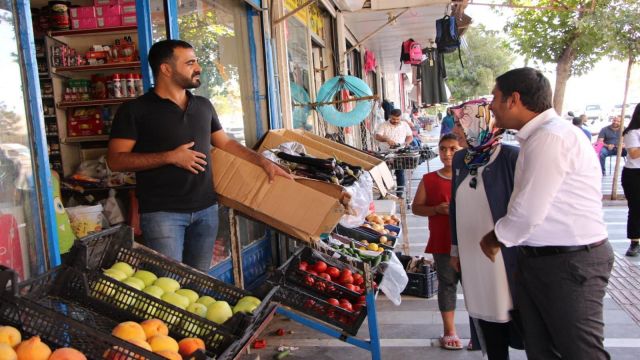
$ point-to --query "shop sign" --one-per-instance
(302, 15)
(316, 20)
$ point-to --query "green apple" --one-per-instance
(168, 285)
(154, 291)
(176, 299)
(197, 309)
(251, 300)
(206, 300)
(244, 307)
(219, 312)
(147, 276)
(124, 267)
(189, 294)
(134, 282)
(115, 274)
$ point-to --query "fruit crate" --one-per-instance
(82, 331)
(370, 235)
(99, 300)
(294, 292)
(102, 250)
(424, 284)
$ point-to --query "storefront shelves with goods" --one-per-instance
(72, 104)
(79, 139)
(109, 30)
(108, 66)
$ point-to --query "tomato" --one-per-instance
(358, 279)
(356, 289)
(303, 265)
(333, 301)
(308, 280)
(350, 287)
(362, 299)
(320, 286)
(346, 272)
(358, 307)
(325, 276)
(320, 267)
(344, 280)
(346, 305)
(309, 303)
(343, 300)
(312, 272)
(333, 272)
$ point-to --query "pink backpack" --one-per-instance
(411, 53)
(369, 61)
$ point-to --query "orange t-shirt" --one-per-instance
(438, 190)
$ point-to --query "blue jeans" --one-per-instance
(186, 237)
(400, 182)
(605, 153)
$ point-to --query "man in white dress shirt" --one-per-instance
(555, 218)
(391, 134)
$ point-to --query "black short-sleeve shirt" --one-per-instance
(159, 125)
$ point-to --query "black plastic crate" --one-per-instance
(102, 250)
(58, 330)
(295, 293)
(424, 284)
(372, 236)
(403, 162)
(102, 303)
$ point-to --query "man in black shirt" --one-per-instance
(165, 136)
(609, 136)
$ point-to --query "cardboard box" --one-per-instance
(129, 19)
(84, 23)
(109, 21)
(324, 148)
(108, 10)
(129, 9)
(82, 12)
(303, 208)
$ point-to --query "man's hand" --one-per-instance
(442, 209)
(391, 142)
(273, 170)
(610, 146)
(454, 261)
(490, 245)
(190, 160)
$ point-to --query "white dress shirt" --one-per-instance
(556, 200)
(632, 140)
(397, 133)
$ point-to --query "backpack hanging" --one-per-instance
(447, 39)
(369, 61)
(411, 53)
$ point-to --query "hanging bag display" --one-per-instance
(447, 38)
(411, 53)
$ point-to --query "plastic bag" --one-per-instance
(112, 210)
(361, 193)
(291, 148)
(85, 219)
(394, 281)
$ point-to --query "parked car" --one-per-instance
(594, 112)
(617, 110)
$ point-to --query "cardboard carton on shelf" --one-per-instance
(303, 208)
(320, 147)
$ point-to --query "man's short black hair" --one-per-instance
(396, 112)
(449, 136)
(162, 52)
(534, 88)
(577, 121)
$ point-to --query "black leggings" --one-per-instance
(631, 186)
(496, 339)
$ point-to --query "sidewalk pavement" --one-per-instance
(411, 330)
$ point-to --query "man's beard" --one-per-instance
(187, 82)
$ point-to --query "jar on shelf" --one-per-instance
(117, 86)
(59, 15)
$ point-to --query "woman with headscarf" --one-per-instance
(481, 187)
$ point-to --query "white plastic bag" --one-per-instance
(361, 197)
(394, 281)
(112, 210)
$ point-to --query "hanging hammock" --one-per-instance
(301, 106)
(356, 87)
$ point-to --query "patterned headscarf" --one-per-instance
(478, 124)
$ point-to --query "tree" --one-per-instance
(622, 42)
(571, 39)
(487, 56)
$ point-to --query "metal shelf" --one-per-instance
(109, 66)
(79, 139)
(109, 30)
(73, 104)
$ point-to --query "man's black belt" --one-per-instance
(535, 251)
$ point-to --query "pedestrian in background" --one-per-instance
(555, 220)
(432, 200)
(482, 185)
(631, 181)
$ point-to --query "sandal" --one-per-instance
(450, 342)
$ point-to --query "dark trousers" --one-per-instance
(400, 182)
(560, 301)
(631, 186)
(496, 339)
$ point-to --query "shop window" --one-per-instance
(218, 32)
(21, 226)
(158, 25)
(298, 62)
